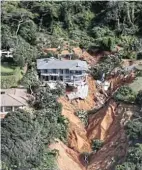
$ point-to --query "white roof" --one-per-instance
(61, 64)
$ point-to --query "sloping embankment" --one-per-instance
(107, 124)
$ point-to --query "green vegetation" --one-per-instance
(6, 69)
(29, 26)
(133, 159)
(136, 86)
(10, 76)
(139, 98)
(126, 94)
(30, 80)
(96, 145)
(83, 116)
(26, 136)
(106, 65)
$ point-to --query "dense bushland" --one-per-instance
(26, 136)
(29, 26)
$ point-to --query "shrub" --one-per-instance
(8, 81)
(30, 80)
(134, 130)
(106, 66)
(139, 98)
(126, 94)
(96, 144)
(139, 56)
(83, 115)
(99, 32)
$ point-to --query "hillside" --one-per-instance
(102, 131)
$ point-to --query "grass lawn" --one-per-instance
(136, 85)
(6, 69)
(10, 76)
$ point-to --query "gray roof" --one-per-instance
(61, 64)
(13, 97)
(11, 100)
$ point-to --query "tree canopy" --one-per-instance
(26, 135)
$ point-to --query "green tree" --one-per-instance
(96, 145)
(106, 65)
(20, 141)
(126, 94)
(134, 130)
(83, 116)
(139, 98)
(30, 80)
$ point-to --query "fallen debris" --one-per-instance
(82, 92)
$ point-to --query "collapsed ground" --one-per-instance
(30, 26)
(107, 125)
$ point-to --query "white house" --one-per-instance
(71, 72)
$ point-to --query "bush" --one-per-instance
(10, 78)
(107, 64)
(30, 80)
(139, 98)
(99, 32)
(96, 144)
(83, 115)
(126, 94)
(139, 56)
(134, 130)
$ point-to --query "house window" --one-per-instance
(61, 78)
(61, 71)
(16, 107)
(72, 72)
(67, 77)
(46, 78)
(2, 92)
(1, 109)
(8, 108)
(54, 70)
(78, 72)
(55, 78)
(67, 71)
(44, 71)
(52, 77)
(49, 71)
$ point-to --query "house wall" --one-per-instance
(5, 109)
(61, 75)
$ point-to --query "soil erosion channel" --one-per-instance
(107, 124)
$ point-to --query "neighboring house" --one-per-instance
(11, 99)
(71, 72)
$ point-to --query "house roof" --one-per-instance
(13, 97)
(11, 100)
(61, 64)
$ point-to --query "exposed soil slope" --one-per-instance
(77, 136)
(108, 125)
(67, 158)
